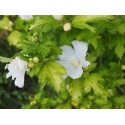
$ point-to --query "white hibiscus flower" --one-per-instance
(17, 69)
(26, 17)
(74, 59)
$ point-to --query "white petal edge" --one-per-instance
(85, 63)
(8, 74)
(6, 66)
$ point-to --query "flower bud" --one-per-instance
(123, 67)
(67, 26)
(26, 17)
(58, 17)
(35, 59)
(30, 65)
(30, 59)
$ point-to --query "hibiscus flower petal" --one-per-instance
(72, 71)
(6, 66)
(67, 53)
(19, 82)
(15, 74)
(8, 74)
(85, 63)
(22, 65)
(80, 49)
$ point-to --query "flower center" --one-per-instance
(74, 62)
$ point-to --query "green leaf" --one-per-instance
(115, 70)
(121, 28)
(66, 38)
(14, 37)
(91, 57)
(91, 18)
(5, 60)
(81, 21)
(93, 82)
(90, 67)
(35, 70)
(119, 49)
(101, 101)
(46, 21)
(19, 24)
(35, 48)
(119, 82)
(51, 74)
(75, 89)
(6, 24)
(83, 25)
(119, 100)
(44, 48)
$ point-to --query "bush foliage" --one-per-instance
(102, 84)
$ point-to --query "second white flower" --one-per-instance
(17, 69)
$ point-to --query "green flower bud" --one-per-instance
(35, 59)
(30, 65)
